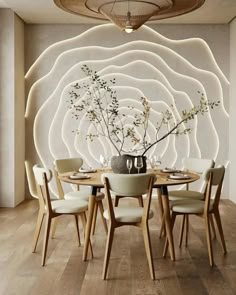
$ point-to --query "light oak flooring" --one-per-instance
(128, 274)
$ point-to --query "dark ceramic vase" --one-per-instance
(118, 164)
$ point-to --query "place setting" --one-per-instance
(174, 173)
(78, 175)
(178, 176)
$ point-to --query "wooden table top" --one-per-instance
(162, 178)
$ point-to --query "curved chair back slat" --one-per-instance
(198, 165)
(128, 184)
(68, 165)
(42, 177)
(39, 172)
(217, 175)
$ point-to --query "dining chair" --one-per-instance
(128, 185)
(204, 208)
(74, 164)
(199, 166)
(52, 209)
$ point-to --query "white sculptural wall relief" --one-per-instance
(144, 64)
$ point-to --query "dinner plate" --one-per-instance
(170, 170)
(79, 176)
(90, 170)
(179, 176)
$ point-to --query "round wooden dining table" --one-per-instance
(162, 183)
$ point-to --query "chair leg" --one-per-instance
(110, 236)
(101, 209)
(161, 214)
(94, 218)
(116, 201)
(46, 237)
(212, 227)
(84, 221)
(186, 230)
(220, 229)
(54, 226)
(140, 201)
(209, 242)
(173, 217)
(148, 248)
(162, 229)
(182, 230)
(38, 229)
(77, 228)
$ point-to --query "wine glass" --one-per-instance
(129, 164)
(138, 163)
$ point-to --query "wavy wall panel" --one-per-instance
(145, 64)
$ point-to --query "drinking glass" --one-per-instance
(129, 164)
(138, 163)
(103, 161)
(155, 162)
(152, 162)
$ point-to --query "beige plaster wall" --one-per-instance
(6, 108)
(232, 121)
(19, 111)
(11, 109)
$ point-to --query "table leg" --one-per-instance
(161, 213)
(165, 202)
(89, 222)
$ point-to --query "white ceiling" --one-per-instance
(45, 11)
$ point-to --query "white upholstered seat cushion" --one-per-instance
(189, 206)
(133, 214)
(69, 206)
(82, 195)
(184, 194)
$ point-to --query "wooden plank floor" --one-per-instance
(65, 273)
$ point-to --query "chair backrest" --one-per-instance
(68, 165)
(128, 185)
(42, 177)
(198, 165)
(64, 166)
(214, 178)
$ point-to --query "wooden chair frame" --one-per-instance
(98, 205)
(207, 216)
(45, 210)
(113, 224)
(185, 219)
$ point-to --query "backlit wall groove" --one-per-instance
(145, 64)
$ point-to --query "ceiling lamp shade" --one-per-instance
(129, 15)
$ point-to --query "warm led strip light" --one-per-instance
(180, 75)
(147, 32)
(124, 47)
(104, 70)
(81, 81)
